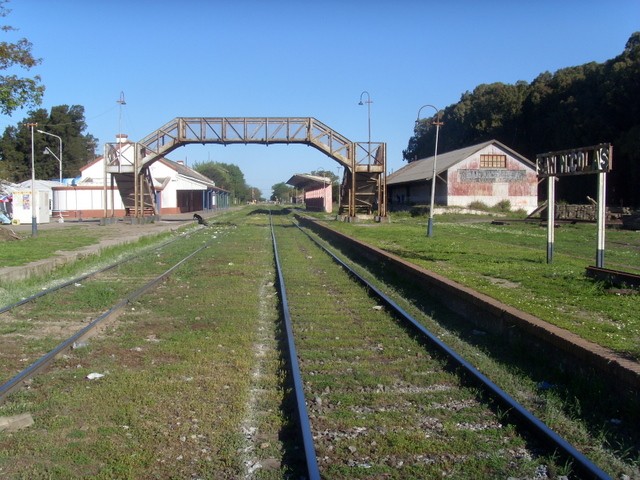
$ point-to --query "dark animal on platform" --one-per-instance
(199, 219)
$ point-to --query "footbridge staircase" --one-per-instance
(362, 190)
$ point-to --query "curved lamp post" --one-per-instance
(47, 150)
(368, 102)
(437, 123)
(34, 213)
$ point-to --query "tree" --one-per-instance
(574, 107)
(282, 192)
(17, 91)
(228, 177)
(216, 172)
(66, 122)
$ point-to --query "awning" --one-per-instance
(308, 182)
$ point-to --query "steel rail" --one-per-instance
(582, 464)
(18, 380)
(301, 406)
(79, 279)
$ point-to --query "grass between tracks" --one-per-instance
(50, 242)
(174, 401)
(191, 386)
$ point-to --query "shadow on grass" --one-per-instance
(584, 395)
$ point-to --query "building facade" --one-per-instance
(488, 172)
(178, 189)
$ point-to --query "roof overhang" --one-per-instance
(308, 182)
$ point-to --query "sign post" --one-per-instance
(580, 161)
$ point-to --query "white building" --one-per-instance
(178, 189)
(23, 201)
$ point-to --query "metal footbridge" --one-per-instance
(363, 186)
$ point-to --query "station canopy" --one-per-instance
(308, 182)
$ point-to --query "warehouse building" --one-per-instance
(488, 172)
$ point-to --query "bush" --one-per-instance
(503, 206)
(478, 205)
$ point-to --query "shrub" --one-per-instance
(478, 205)
(503, 206)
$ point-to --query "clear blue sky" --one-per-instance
(284, 58)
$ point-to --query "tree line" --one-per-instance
(573, 107)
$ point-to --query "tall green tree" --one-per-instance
(228, 177)
(66, 122)
(17, 91)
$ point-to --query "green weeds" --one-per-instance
(508, 262)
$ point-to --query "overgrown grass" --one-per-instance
(178, 370)
(14, 290)
(46, 244)
(508, 262)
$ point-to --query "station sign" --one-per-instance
(579, 161)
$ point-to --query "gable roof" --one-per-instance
(179, 168)
(187, 172)
(422, 169)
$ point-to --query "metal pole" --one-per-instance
(437, 123)
(58, 158)
(368, 102)
(602, 207)
(433, 185)
(34, 203)
(339, 189)
(551, 202)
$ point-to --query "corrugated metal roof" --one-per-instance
(423, 169)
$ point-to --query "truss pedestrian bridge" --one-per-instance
(362, 190)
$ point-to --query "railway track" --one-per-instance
(378, 395)
(407, 384)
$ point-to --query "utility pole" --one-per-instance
(34, 204)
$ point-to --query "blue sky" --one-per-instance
(284, 58)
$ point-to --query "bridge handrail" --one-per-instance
(263, 130)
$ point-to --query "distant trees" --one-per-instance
(68, 123)
(282, 192)
(228, 177)
(573, 107)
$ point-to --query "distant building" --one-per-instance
(317, 191)
(488, 172)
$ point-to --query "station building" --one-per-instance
(488, 172)
(178, 189)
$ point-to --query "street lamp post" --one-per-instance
(368, 102)
(34, 220)
(437, 123)
(47, 150)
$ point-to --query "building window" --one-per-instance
(493, 161)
